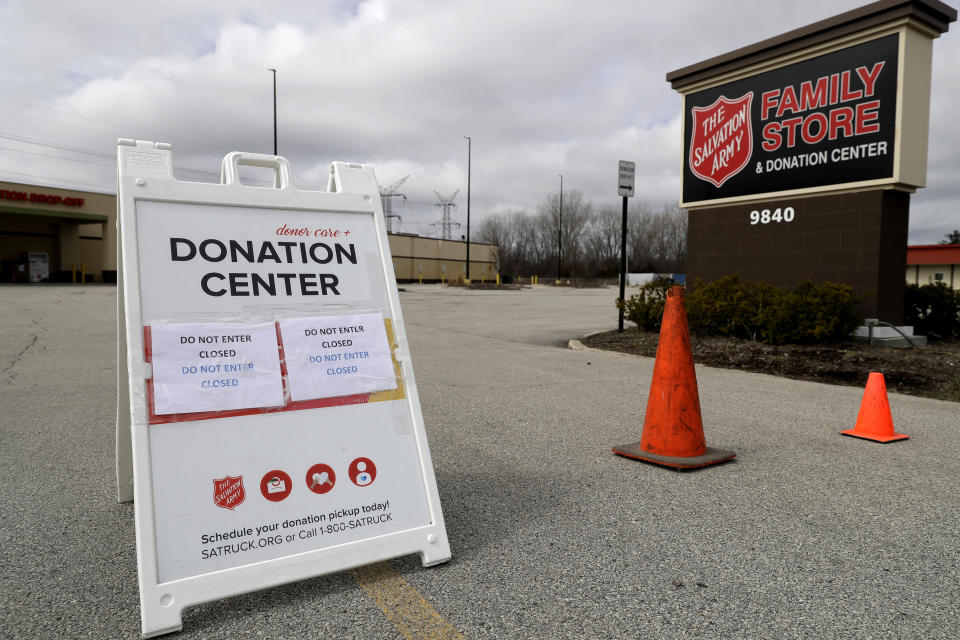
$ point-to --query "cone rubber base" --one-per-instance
(712, 456)
(883, 439)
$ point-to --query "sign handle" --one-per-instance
(230, 175)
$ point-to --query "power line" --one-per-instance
(387, 194)
(58, 180)
(54, 145)
(49, 108)
(99, 122)
(49, 120)
(48, 155)
(446, 203)
(98, 154)
(105, 164)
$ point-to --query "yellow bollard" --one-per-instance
(83, 273)
(73, 272)
(498, 278)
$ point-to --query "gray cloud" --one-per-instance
(543, 88)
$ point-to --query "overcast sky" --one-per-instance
(543, 87)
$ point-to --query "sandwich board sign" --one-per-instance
(268, 422)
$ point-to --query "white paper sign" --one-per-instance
(337, 356)
(215, 367)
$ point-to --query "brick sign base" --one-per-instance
(858, 239)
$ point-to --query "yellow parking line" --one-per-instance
(403, 605)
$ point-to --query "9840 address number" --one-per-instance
(766, 216)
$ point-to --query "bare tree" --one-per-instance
(496, 230)
(657, 239)
(567, 230)
(602, 242)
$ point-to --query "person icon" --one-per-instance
(362, 472)
(363, 478)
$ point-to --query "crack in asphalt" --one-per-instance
(33, 340)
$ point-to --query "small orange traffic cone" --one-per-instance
(672, 427)
(874, 421)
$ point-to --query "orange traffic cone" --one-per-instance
(672, 427)
(874, 421)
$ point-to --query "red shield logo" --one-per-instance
(721, 142)
(228, 492)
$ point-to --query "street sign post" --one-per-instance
(626, 178)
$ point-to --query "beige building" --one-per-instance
(54, 235)
(433, 260)
(61, 235)
(931, 263)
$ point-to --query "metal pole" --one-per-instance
(469, 153)
(623, 263)
(560, 230)
(274, 111)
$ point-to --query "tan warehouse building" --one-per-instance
(433, 260)
(56, 235)
(61, 235)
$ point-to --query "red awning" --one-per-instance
(933, 254)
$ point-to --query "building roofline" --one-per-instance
(52, 185)
(931, 13)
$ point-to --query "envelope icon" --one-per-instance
(276, 485)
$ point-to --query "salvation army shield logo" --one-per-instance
(721, 142)
(228, 492)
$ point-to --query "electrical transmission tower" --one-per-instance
(387, 194)
(446, 224)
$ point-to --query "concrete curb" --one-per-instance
(576, 345)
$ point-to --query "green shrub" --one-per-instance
(808, 313)
(814, 313)
(933, 310)
(730, 307)
(646, 307)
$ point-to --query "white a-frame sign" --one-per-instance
(268, 424)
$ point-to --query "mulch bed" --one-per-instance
(932, 371)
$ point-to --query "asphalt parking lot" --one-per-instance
(806, 534)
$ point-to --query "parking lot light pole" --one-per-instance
(274, 110)
(469, 151)
(560, 229)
